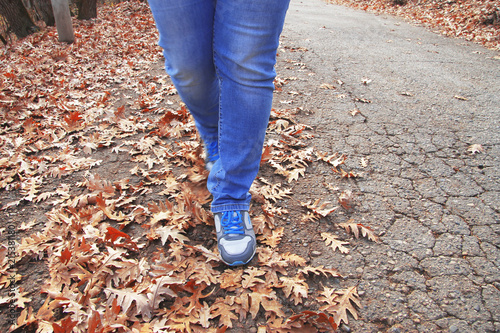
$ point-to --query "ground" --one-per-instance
(109, 147)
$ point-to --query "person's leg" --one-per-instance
(246, 37)
(186, 30)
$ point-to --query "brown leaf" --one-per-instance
(66, 326)
(230, 280)
(65, 256)
(224, 311)
(346, 199)
(170, 232)
(295, 286)
(325, 208)
(126, 297)
(327, 86)
(94, 322)
(272, 237)
(334, 242)
(294, 259)
(475, 148)
(355, 228)
(320, 270)
(346, 301)
(250, 278)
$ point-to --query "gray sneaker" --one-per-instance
(235, 237)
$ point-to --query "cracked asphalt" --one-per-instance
(422, 99)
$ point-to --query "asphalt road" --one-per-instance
(423, 100)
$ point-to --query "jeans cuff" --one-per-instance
(230, 207)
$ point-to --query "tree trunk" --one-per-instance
(87, 9)
(44, 10)
(18, 17)
(63, 21)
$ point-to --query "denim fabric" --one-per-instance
(220, 55)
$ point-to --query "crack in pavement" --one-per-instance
(434, 204)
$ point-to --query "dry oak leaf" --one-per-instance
(272, 211)
(66, 326)
(346, 199)
(126, 296)
(224, 311)
(265, 297)
(295, 174)
(267, 154)
(342, 301)
(475, 148)
(295, 286)
(309, 217)
(108, 211)
(355, 229)
(170, 232)
(105, 265)
(345, 174)
(130, 271)
(46, 310)
(274, 192)
(334, 242)
(94, 322)
(327, 86)
(272, 237)
(112, 234)
(20, 298)
(333, 159)
(309, 321)
(204, 315)
(160, 288)
(209, 255)
(322, 209)
(318, 271)
(94, 183)
(270, 258)
(250, 277)
(201, 271)
(230, 280)
(294, 259)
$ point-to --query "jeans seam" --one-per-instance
(219, 79)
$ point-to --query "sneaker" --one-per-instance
(212, 154)
(235, 237)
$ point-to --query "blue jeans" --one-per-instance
(220, 54)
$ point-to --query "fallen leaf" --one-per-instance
(334, 242)
(475, 148)
(355, 229)
(321, 208)
(327, 86)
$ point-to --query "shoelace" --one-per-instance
(232, 223)
(212, 151)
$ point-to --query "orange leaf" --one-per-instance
(266, 154)
(65, 256)
(66, 326)
(94, 322)
(113, 234)
(73, 119)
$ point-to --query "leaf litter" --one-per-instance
(473, 20)
(93, 147)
